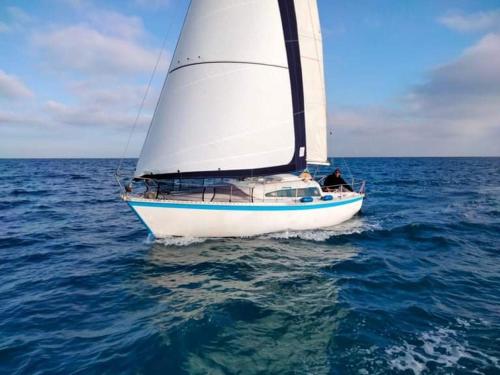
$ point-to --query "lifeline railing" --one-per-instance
(228, 192)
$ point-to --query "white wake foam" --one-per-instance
(179, 241)
(441, 346)
(317, 235)
(320, 235)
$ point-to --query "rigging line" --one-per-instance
(141, 106)
(344, 161)
(348, 169)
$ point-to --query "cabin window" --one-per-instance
(292, 193)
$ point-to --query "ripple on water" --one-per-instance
(410, 285)
(438, 352)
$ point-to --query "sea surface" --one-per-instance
(411, 285)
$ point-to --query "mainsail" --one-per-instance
(233, 101)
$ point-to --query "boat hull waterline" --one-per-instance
(166, 218)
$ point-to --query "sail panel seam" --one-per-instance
(228, 62)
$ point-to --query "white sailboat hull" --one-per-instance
(165, 218)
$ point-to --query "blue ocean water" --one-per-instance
(409, 286)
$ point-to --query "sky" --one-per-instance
(403, 78)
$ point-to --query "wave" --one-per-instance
(321, 235)
(316, 235)
(177, 241)
(436, 349)
(79, 177)
(25, 192)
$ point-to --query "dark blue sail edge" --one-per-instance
(290, 31)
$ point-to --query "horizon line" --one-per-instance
(330, 157)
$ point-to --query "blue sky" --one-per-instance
(404, 78)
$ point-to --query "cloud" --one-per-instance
(12, 87)
(114, 23)
(481, 21)
(104, 42)
(18, 15)
(107, 21)
(75, 4)
(456, 111)
(92, 106)
(115, 106)
(80, 116)
(4, 27)
(153, 4)
(16, 19)
(127, 97)
(87, 50)
(468, 87)
(101, 58)
(9, 118)
(94, 72)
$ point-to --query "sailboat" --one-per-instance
(240, 118)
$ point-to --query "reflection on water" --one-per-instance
(253, 304)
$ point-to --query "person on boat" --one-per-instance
(305, 175)
(335, 182)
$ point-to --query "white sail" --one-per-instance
(229, 103)
(311, 57)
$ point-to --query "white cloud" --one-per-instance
(481, 21)
(18, 15)
(107, 21)
(99, 106)
(4, 27)
(9, 118)
(87, 50)
(95, 74)
(153, 4)
(75, 4)
(125, 97)
(114, 23)
(456, 112)
(103, 42)
(104, 105)
(12, 87)
(81, 116)
(91, 106)
(468, 87)
(100, 58)
(17, 19)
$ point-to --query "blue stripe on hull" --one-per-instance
(226, 207)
